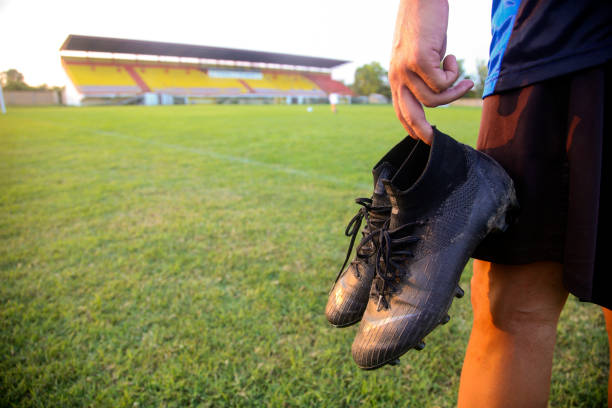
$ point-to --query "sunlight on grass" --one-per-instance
(182, 255)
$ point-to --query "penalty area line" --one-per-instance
(234, 159)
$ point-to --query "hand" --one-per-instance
(419, 74)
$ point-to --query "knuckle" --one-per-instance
(429, 104)
(407, 61)
(437, 87)
(393, 75)
(417, 57)
(429, 101)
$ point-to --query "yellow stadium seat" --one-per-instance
(187, 81)
(284, 83)
(100, 77)
(106, 76)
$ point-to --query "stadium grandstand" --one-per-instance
(122, 71)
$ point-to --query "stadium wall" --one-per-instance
(29, 98)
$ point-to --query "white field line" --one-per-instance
(279, 168)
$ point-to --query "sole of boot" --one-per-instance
(498, 222)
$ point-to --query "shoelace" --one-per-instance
(389, 258)
(372, 214)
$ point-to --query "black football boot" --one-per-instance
(445, 200)
(349, 295)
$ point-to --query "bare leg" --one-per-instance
(608, 316)
(509, 356)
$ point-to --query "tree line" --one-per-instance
(13, 80)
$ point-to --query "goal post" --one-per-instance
(2, 107)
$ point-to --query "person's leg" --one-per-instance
(509, 355)
(608, 316)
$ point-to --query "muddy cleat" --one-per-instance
(444, 202)
(349, 295)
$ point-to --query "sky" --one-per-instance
(32, 31)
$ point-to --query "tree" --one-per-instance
(371, 78)
(9, 76)
(12, 80)
(481, 68)
(460, 70)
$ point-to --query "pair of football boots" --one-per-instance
(431, 207)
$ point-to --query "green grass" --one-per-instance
(181, 256)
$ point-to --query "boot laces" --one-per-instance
(392, 249)
(375, 216)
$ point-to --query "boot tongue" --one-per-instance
(392, 194)
(382, 172)
(403, 211)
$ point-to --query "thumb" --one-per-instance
(441, 78)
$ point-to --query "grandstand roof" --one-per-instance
(125, 46)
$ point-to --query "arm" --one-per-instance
(419, 74)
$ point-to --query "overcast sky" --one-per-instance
(31, 31)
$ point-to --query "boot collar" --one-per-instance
(387, 166)
(426, 178)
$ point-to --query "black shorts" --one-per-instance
(550, 138)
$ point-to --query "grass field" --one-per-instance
(181, 256)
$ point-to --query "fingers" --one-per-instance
(413, 88)
(430, 98)
(434, 86)
(449, 64)
(411, 114)
(439, 79)
(398, 113)
(409, 109)
(417, 121)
